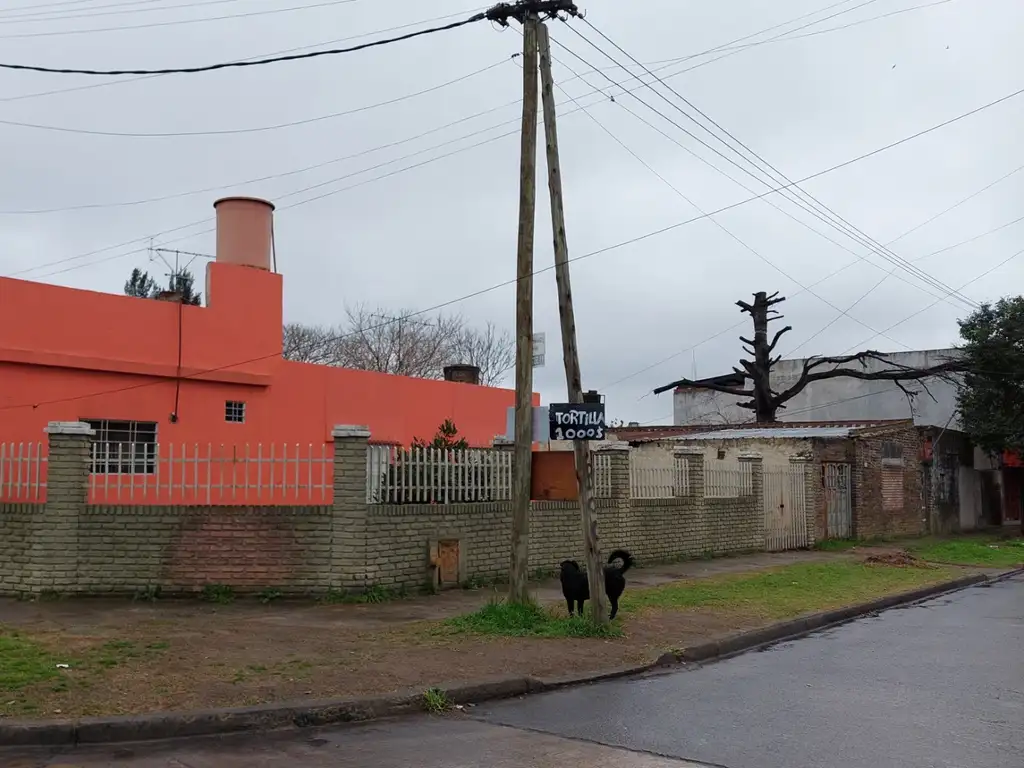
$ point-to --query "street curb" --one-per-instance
(173, 725)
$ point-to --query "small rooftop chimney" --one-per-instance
(244, 231)
(467, 374)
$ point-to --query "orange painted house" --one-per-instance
(213, 374)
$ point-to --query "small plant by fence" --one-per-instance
(166, 473)
(23, 472)
(727, 480)
(425, 475)
(651, 479)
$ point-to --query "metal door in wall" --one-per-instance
(836, 484)
(785, 508)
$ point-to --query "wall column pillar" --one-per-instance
(53, 553)
(349, 566)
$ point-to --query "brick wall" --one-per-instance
(15, 540)
(182, 549)
(887, 491)
(71, 546)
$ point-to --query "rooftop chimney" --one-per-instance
(244, 231)
(467, 374)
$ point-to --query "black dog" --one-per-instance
(576, 589)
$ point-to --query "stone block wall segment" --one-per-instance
(351, 569)
(53, 551)
(181, 550)
(16, 525)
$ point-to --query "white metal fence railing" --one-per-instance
(166, 473)
(23, 471)
(651, 479)
(602, 475)
(727, 480)
(436, 476)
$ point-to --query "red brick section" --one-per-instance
(887, 497)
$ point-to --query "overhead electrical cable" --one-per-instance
(799, 195)
(176, 22)
(250, 62)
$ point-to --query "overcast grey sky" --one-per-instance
(433, 233)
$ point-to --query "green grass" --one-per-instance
(837, 545)
(789, 591)
(503, 619)
(977, 550)
(24, 663)
(436, 701)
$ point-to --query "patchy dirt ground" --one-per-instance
(124, 657)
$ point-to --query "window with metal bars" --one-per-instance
(234, 411)
(123, 447)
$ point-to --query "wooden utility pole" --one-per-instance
(522, 463)
(570, 352)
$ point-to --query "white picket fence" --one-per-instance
(398, 475)
(727, 480)
(23, 472)
(602, 475)
(167, 473)
(651, 478)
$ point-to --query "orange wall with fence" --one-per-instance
(179, 372)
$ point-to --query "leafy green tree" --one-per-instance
(183, 282)
(991, 400)
(141, 285)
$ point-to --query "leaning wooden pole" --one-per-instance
(523, 456)
(570, 352)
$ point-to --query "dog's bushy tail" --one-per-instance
(624, 556)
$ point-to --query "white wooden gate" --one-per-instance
(785, 509)
(836, 485)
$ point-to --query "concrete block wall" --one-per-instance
(183, 549)
(16, 521)
(70, 546)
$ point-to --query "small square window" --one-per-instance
(234, 411)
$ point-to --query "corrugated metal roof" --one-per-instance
(763, 433)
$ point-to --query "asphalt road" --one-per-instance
(938, 685)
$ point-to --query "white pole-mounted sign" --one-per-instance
(539, 347)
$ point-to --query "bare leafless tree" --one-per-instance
(765, 401)
(403, 342)
(311, 344)
(490, 349)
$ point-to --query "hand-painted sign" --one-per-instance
(576, 421)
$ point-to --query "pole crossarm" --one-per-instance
(520, 11)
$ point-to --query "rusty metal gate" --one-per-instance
(785, 508)
(836, 485)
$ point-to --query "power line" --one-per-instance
(839, 166)
(261, 128)
(736, 181)
(802, 198)
(478, 114)
(109, 83)
(36, 16)
(715, 221)
(176, 22)
(253, 62)
(437, 307)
